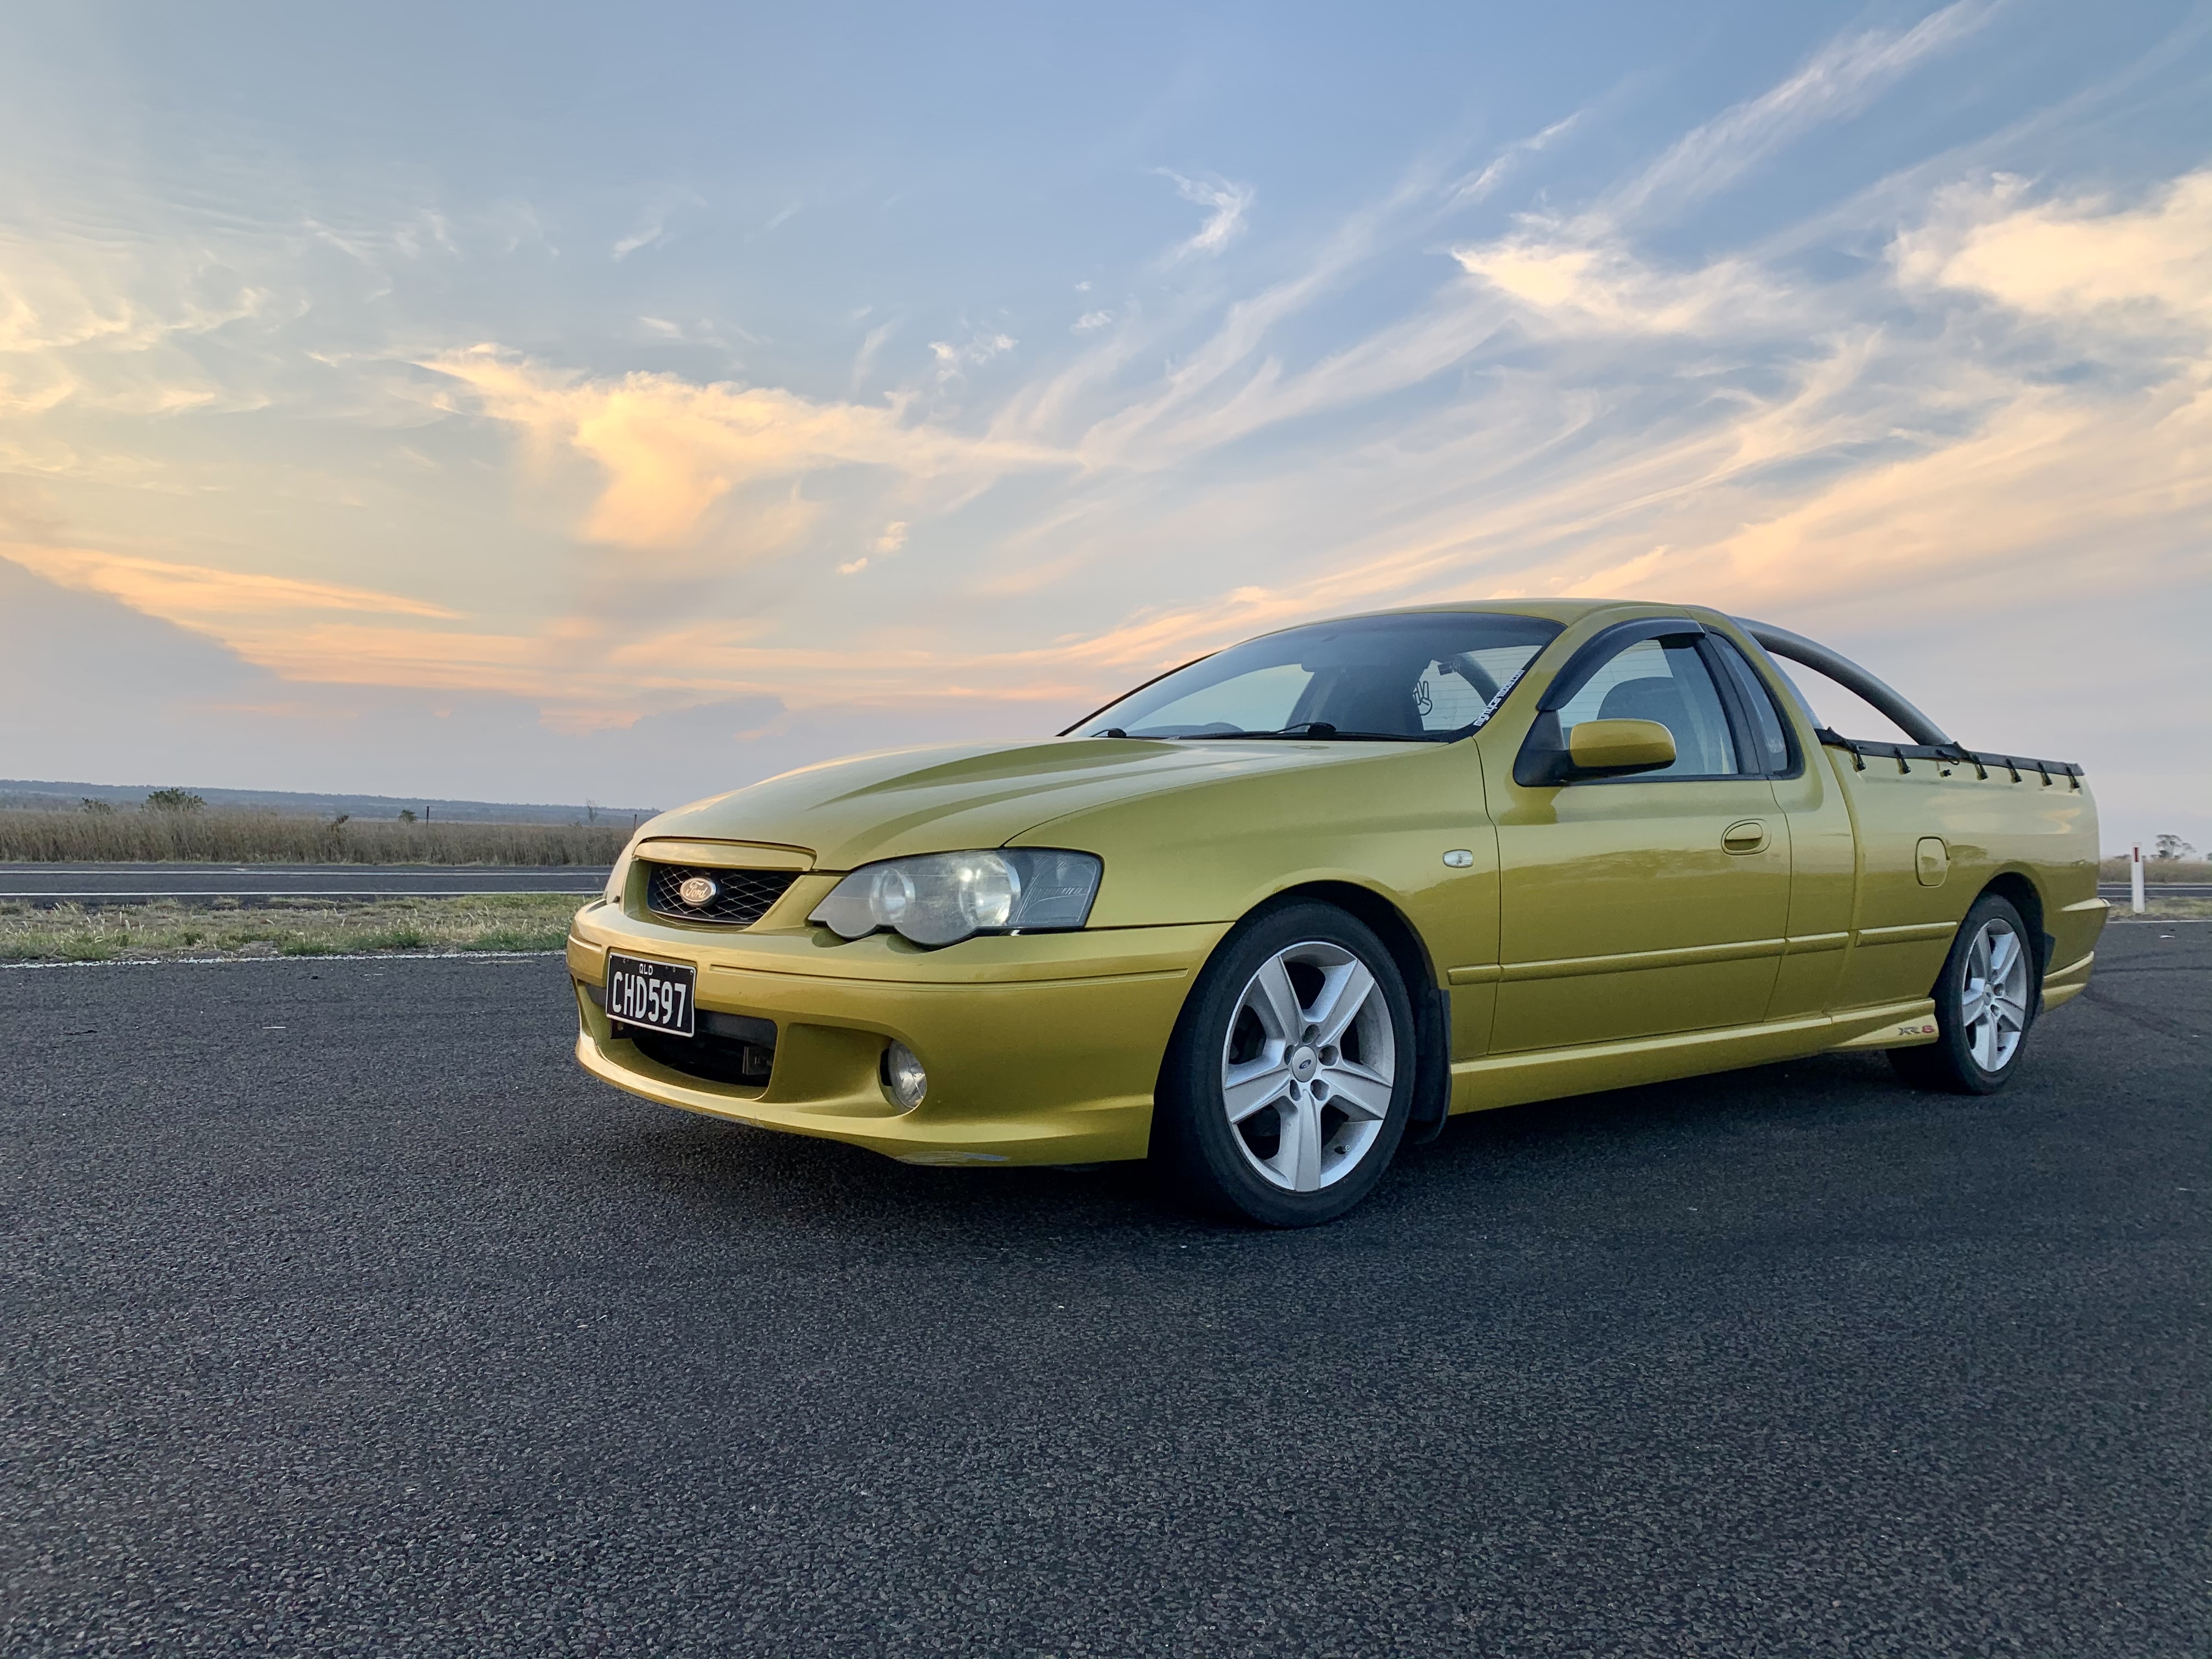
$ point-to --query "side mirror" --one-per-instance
(1594, 749)
(1610, 749)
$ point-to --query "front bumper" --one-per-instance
(1041, 1047)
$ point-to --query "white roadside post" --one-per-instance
(2135, 882)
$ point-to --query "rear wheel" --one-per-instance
(1984, 1003)
(1286, 1087)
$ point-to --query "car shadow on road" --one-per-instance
(1515, 1155)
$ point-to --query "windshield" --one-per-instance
(1426, 678)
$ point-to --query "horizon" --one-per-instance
(64, 789)
(573, 405)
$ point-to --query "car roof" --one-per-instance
(1566, 612)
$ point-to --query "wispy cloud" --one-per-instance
(1578, 272)
(116, 327)
(1479, 183)
(890, 541)
(651, 229)
(2077, 259)
(1606, 290)
(290, 626)
(871, 345)
(1180, 412)
(697, 333)
(954, 360)
(1522, 372)
(1227, 203)
(191, 593)
(1842, 78)
(669, 449)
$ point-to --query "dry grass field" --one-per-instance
(168, 928)
(2157, 907)
(2157, 873)
(234, 836)
(2156, 870)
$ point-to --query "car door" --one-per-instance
(1823, 861)
(1639, 906)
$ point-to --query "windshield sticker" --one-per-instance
(1503, 692)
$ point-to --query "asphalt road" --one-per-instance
(80, 881)
(345, 1316)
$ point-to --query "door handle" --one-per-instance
(1749, 836)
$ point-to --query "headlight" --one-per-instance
(941, 898)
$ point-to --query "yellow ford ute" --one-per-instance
(1269, 916)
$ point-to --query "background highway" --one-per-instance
(345, 1316)
(66, 881)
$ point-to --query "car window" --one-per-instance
(1261, 700)
(1666, 681)
(1411, 676)
(1772, 737)
(1829, 703)
(1451, 693)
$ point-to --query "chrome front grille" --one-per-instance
(738, 898)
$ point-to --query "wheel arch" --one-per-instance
(1431, 1002)
(2019, 888)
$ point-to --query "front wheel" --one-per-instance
(1984, 1002)
(1287, 1084)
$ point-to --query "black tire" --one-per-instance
(1219, 1167)
(1951, 1063)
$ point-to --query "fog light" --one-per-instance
(903, 1077)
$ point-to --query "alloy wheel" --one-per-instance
(1993, 1002)
(1308, 1067)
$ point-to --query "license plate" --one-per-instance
(656, 994)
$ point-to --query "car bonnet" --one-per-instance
(850, 812)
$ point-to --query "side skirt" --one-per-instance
(1515, 1079)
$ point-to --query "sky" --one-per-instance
(541, 402)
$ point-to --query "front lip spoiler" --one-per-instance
(1112, 1129)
